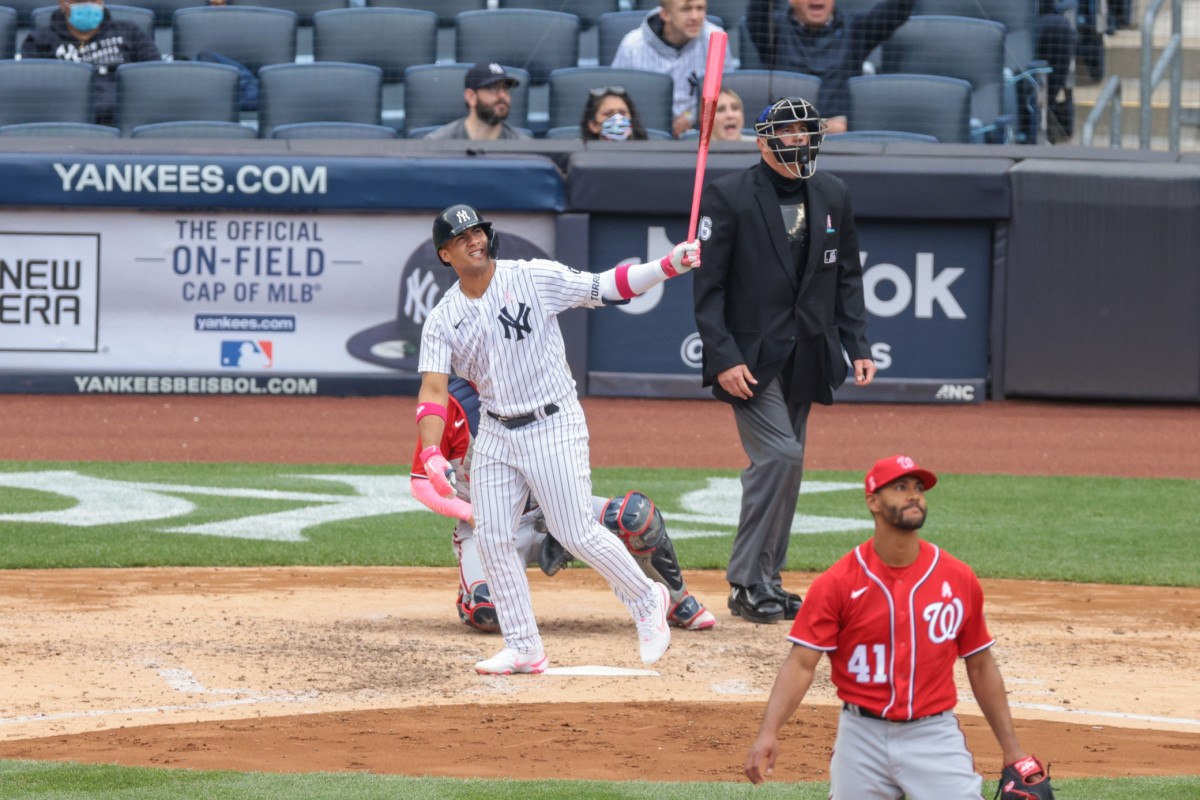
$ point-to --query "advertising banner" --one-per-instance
(927, 288)
(223, 302)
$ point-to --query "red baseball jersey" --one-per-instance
(893, 635)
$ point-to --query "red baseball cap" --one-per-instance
(893, 468)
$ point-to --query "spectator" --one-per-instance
(729, 123)
(86, 33)
(1056, 42)
(813, 37)
(611, 114)
(673, 40)
(487, 90)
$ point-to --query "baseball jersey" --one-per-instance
(507, 342)
(893, 634)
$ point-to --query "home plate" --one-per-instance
(593, 671)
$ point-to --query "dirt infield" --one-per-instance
(334, 669)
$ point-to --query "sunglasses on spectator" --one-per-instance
(619, 91)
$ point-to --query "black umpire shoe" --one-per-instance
(790, 601)
(755, 603)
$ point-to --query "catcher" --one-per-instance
(894, 615)
(633, 518)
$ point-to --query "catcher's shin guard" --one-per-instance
(639, 524)
(476, 610)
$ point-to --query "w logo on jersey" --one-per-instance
(518, 324)
(944, 620)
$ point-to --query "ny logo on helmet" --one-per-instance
(464, 215)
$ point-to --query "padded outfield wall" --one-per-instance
(305, 268)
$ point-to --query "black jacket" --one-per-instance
(750, 309)
(834, 54)
(115, 43)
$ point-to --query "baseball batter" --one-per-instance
(633, 518)
(497, 327)
(894, 614)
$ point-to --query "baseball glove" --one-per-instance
(1026, 779)
(552, 556)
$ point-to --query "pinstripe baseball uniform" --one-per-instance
(532, 432)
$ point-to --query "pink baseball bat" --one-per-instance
(708, 109)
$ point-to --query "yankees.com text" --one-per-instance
(274, 179)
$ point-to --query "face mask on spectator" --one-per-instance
(86, 16)
(618, 127)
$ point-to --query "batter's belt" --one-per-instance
(524, 419)
(859, 711)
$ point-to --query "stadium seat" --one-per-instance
(651, 92)
(880, 136)
(304, 9)
(164, 10)
(1025, 75)
(45, 90)
(537, 41)
(929, 104)
(392, 39)
(8, 32)
(447, 10)
(433, 96)
(588, 11)
(44, 130)
(25, 9)
(563, 132)
(611, 29)
(958, 47)
(255, 37)
(333, 130)
(758, 88)
(175, 91)
(142, 17)
(326, 92)
(194, 130)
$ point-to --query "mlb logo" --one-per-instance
(246, 354)
(831, 256)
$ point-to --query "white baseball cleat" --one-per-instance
(508, 661)
(653, 631)
(702, 621)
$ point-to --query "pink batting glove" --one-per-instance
(438, 470)
(683, 257)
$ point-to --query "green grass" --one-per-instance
(54, 781)
(1103, 530)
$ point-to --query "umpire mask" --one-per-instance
(784, 118)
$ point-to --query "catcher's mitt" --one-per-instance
(1026, 779)
(552, 556)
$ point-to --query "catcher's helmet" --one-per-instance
(456, 219)
(798, 159)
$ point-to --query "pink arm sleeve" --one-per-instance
(452, 506)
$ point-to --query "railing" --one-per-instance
(1110, 97)
(1154, 72)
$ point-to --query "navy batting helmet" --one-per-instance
(457, 219)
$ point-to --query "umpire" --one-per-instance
(779, 298)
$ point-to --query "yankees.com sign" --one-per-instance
(926, 287)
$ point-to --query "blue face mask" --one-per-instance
(86, 16)
(617, 128)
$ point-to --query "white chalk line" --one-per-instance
(181, 680)
(1087, 712)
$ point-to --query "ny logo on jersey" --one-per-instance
(518, 324)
